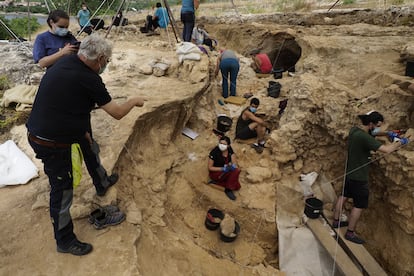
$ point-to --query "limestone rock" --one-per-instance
(258, 174)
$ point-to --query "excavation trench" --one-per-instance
(165, 173)
(340, 71)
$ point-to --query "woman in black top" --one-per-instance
(222, 166)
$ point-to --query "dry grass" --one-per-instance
(274, 6)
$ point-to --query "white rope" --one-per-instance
(15, 36)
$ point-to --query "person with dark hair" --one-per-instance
(56, 42)
(83, 17)
(222, 167)
(360, 145)
(261, 62)
(187, 14)
(228, 64)
(249, 126)
(160, 19)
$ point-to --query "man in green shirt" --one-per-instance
(360, 145)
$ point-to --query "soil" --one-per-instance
(163, 185)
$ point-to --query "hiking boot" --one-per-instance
(109, 209)
(338, 224)
(112, 179)
(107, 219)
(258, 148)
(77, 248)
(350, 236)
(229, 193)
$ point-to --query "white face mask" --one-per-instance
(222, 147)
(375, 131)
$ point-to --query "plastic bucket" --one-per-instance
(277, 73)
(224, 123)
(215, 213)
(313, 207)
(236, 232)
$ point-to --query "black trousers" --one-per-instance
(188, 19)
(57, 164)
(152, 23)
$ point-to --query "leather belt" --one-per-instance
(46, 143)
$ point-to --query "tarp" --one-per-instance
(15, 167)
(22, 94)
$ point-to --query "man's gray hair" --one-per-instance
(94, 46)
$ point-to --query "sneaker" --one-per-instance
(338, 224)
(258, 148)
(109, 209)
(77, 248)
(350, 236)
(112, 179)
(107, 219)
(230, 194)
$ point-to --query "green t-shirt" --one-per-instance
(360, 145)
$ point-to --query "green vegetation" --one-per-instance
(20, 27)
(4, 82)
(348, 2)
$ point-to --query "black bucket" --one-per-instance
(236, 232)
(409, 69)
(313, 207)
(211, 215)
(277, 73)
(224, 123)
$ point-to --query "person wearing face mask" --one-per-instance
(360, 145)
(59, 128)
(56, 42)
(222, 167)
(250, 126)
(84, 22)
(200, 36)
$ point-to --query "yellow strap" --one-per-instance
(77, 158)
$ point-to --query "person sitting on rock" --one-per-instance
(261, 62)
(201, 37)
(160, 19)
(250, 126)
(222, 166)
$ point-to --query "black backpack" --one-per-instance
(274, 89)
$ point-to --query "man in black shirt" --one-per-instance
(60, 124)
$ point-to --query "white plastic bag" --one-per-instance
(306, 182)
(15, 166)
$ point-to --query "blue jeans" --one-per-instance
(229, 66)
(188, 19)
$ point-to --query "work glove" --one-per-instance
(392, 135)
(226, 168)
(404, 141)
(233, 167)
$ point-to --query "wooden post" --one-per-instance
(172, 20)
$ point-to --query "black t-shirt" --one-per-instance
(217, 156)
(67, 93)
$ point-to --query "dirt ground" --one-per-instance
(341, 70)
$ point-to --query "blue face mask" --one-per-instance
(102, 69)
(61, 31)
(375, 131)
(253, 109)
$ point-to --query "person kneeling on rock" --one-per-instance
(222, 166)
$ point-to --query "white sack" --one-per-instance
(15, 166)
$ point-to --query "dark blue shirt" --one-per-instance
(67, 93)
(47, 44)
